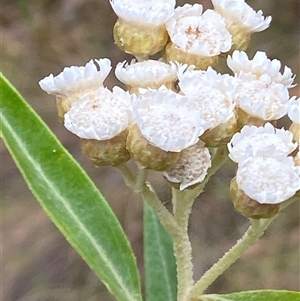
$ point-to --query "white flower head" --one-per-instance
(294, 110)
(144, 11)
(263, 141)
(268, 180)
(192, 167)
(211, 95)
(239, 15)
(259, 66)
(165, 120)
(196, 33)
(75, 80)
(262, 98)
(146, 74)
(101, 116)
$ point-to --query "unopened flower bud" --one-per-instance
(149, 156)
(240, 40)
(140, 29)
(139, 40)
(244, 118)
(108, 152)
(174, 53)
(221, 134)
(249, 207)
(295, 129)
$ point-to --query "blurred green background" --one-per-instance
(41, 37)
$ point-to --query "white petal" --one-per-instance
(265, 140)
(153, 13)
(100, 116)
(268, 180)
(196, 33)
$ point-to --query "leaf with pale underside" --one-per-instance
(68, 196)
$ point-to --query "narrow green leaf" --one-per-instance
(161, 281)
(261, 295)
(68, 196)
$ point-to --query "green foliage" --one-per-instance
(159, 259)
(68, 196)
(261, 295)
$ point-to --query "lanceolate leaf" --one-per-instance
(161, 282)
(261, 295)
(68, 196)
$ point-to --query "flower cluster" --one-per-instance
(266, 173)
(178, 110)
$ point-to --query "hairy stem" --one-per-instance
(139, 186)
(182, 246)
(253, 233)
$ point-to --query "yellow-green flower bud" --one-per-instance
(140, 29)
(108, 152)
(240, 41)
(174, 53)
(295, 129)
(149, 156)
(249, 207)
(221, 134)
(247, 119)
(138, 39)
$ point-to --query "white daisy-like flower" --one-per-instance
(239, 16)
(147, 74)
(294, 110)
(268, 180)
(211, 95)
(192, 167)
(260, 65)
(102, 116)
(75, 80)
(144, 11)
(262, 98)
(196, 33)
(263, 141)
(165, 120)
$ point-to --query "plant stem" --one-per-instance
(182, 246)
(148, 195)
(253, 233)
